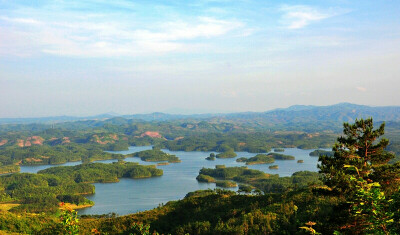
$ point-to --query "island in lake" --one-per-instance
(155, 155)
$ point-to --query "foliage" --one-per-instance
(356, 170)
(69, 220)
(355, 148)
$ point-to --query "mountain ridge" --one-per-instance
(341, 112)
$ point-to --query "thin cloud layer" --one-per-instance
(299, 16)
(101, 36)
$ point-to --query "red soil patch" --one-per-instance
(3, 142)
(151, 134)
(242, 144)
(114, 136)
(37, 140)
(27, 143)
(179, 138)
(66, 140)
(20, 143)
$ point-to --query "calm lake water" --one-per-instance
(133, 195)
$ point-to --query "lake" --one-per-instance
(133, 195)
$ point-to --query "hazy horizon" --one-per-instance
(83, 58)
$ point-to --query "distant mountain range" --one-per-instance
(338, 113)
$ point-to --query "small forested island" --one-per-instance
(205, 178)
(155, 155)
(279, 150)
(241, 159)
(300, 161)
(264, 158)
(278, 156)
(320, 152)
(239, 174)
(227, 154)
(211, 157)
(273, 167)
(260, 159)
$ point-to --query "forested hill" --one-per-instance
(338, 113)
(343, 112)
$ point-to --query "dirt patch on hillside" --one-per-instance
(152, 134)
(3, 142)
(66, 140)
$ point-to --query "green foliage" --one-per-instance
(69, 220)
(369, 207)
(357, 169)
(356, 148)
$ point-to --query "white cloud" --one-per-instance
(111, 38)
(299, 16)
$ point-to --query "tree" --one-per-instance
(360, 172)
(361, 147)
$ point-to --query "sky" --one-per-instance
(87, 57)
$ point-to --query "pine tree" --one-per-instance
(360, 146)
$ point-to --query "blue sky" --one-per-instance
(66, 57)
